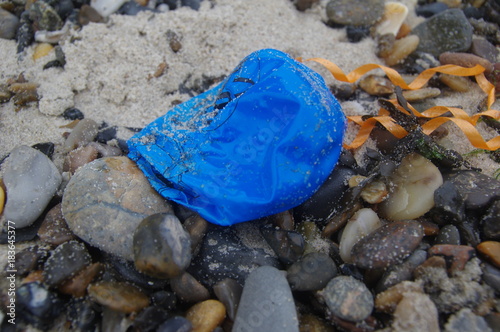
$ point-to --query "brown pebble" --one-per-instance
(197, 227)
(430, 228)
(2, 199)
(77, 285)
(22, 87)
(206, 316)
(36, 275)
(54, 229)
(365, 326)
(389, 244)
(88, 14)
(421, 94)
(457, 83)
(465, 60)
(459, 255)
(41, 50)
(484, 49)
(376, 85)
(79, 157)
(491, 251)
(404, 31)
(118, 296)
(437, 262)
(389, 299)
(188, 289)
(401, 49)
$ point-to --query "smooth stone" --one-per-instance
(456, 255)
(288, 245)
(449, 234)
(388, 300)
(395, 14)
(41, 50)
(449, 205)
(266, 303)
(421, 94)
(176, 324)
(491, 275)
(401, 49)
(466, 321)
(31, 180)
(448, 31)
(188, 289)
(122, 269)
(65, 261)
(413, 185)
(376, 85)
(106, 200)
(490, 222)
(82, 134)
(387, 245)
(47, 148)
(88, 14)
(284, 220)
(477, 189)
(457, 83)
(355, 12)
(79, 157)
(37, 305)
(162, 247)
(119, 296)
(77, 285)
(197, 227)
(229, 291)
(223, 255)
(311, 272)
(8, 24)
(484, 49)
(150, 319)
(348, 298)
(490, 251)
(164, 299)
(416, 312)
(466, 60)
(206, 316)
(302, 5)
(54, 229)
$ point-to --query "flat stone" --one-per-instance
(348, 298)
(31, 180)
(118, 296)
(449, 234)
(448, 31)
(228, 291)
(355, 12)
(266, 303)
(106, 200)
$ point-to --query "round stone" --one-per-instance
(106, 200)
(355, 12)
(311, 272)
(348, 298)
(206, 316)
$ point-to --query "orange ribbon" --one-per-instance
(465, 122)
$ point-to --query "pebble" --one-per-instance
(162, 247)
(388, 300)
(459, 255)
(150, 318)
(197, 227)
(312, 272)
(25, 32)
(449, 234)
(491, 275)
(416, 312)
(31, 180)
(387, 245)
(466, 321)
(395, 14)
(107, 7)
(466, 60)
(9, 24)
(228, 291)
(82, 315)
(448, 31)
(83, 133)
(73, 114)
(490, 222)
(312, 323)
(362, 223)
(88, 14)
(37, 305)
(28, 260)
(355, 34)
(401, 272)
(125, 270)
(118, 296)
(449, 206)
(457, 83)
(288, 245)
(206, 316)
(47, 148)
(45, 17)
(77, 285)
(176, 324)
(491, 251)
(431, 9)
(41, 50)
(284, 220)
(401, 49)
(188, 289)
(412, 192)
(64, 262)
(79, 157)
(376, 85)
(355, 12)
(477, 189)
(348, 298)
(302, 5)
(484, 49)
(266, 303)
(421, 94)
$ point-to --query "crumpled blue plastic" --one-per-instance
(259, 143)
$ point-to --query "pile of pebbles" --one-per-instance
(407, 240)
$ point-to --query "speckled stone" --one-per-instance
(106, 200)
(64, 262)
(311, 272)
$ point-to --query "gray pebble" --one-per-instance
(448, 31)
(228, 291)
(491, 275)
(266, 303)
(83, 133)
(449, 234)
(490, 223)
(355, 12)
(188, 289)
(466, 321)
(162, 248)
(106, 200)
(288, 245)
(31, 179)
(8, 24)
(311, 272)
(64, 262)
(477, 189)
(348, 298)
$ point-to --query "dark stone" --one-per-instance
(288, 245)
(164, 299)
(448, 31)
(302, 5)
(228, 291)
(73, 114)
(37, 305)
(28, 260)
(473, 12)
(357, 33)
(431, 9)
(173, 4)
(188, 289)
(477, 189)
(491, 275)
(311, 272)
(175, 324)
(449, 234)
(9, 24)
(351, 270)
(64, 262)
(484, 49)
(25, 32)
(46, 148)
(83, 315)
(45, 17)
(449, 206)
(490, 223)
(132, 8)
(149, 319)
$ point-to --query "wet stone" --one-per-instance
(229, 291)
(106, 187)
(288, 245)
(64, 262)
(118, 296)
(466, 321)
(266, 303)
(150, 318)
(175, 324)
(491, 275)
(449, 234)
(491, 251)
(465, 60)
(83, 133)
(77, 285)
(348, 298)
(197, 227)
(8, 24)
(389, 244)
(490, 222)
(357, 33)
(448, 31)
(206, 316)
(312, 272)
(162, 248)
(54, 229)
(449, 205)
(477, 189)
(37, 305)
(82, 315)
(188, 289)
(355, 12)
(31, 180)
(164, 299)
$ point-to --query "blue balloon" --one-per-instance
(259, 143)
